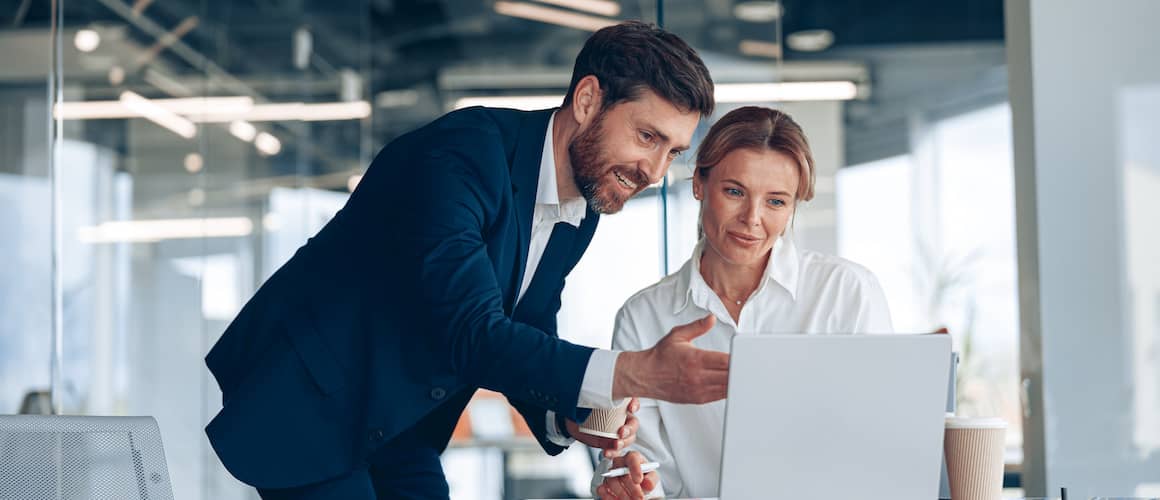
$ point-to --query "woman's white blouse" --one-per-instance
(803, 292)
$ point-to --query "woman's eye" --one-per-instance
(776, 202)
(733, 191)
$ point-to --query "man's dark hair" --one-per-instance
(632, 56)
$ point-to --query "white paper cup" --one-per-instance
(974, 454)
(606, 423)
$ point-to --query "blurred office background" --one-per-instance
(160, 158)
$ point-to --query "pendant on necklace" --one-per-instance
(738, 302)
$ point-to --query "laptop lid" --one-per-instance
(835, 416)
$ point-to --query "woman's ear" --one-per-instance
(698, 187)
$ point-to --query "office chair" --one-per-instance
(82, 457)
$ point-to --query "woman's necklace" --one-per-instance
(726, 297)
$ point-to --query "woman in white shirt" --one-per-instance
(753, 168)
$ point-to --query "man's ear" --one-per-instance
(586, 100)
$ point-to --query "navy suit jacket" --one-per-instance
(403, 304)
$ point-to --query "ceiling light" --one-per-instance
(193, 163)
(243, 130)
(219, 110)
(601, 7)
(401, 98)
(758, 11)
(157, 114)
(291, 111)
(303, 45)
(810, 40)
(758, 48)
(87, 40)
(725, 92)
(526, 102)
(145, 231)
(267, 144)
(91, 110)
(785, 91)
(553, 16)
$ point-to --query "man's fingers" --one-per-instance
(631, 425)
(690, 331)
(633, 405)
(613, 450)
(713, 360)
(715, 379)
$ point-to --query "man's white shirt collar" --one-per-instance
(548, 192)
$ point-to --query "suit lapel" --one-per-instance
(525, 174)
(563, 250)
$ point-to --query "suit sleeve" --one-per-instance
(536, 417)
(452, 202)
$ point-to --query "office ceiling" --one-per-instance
(399, 49)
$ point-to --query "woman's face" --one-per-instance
(746, 202)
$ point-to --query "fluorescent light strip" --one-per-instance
(90, 110)
(759, 48)
(219, 110)
(267, 144)
(147, 231)
(526, 102)
(785, 91)
(243, 130)
(601, 7)
(725, 92)
(553, 16)
(293, 111)
(158, 114)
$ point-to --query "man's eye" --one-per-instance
(645, 136)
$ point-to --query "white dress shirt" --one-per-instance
(596, 389)
(803, 292)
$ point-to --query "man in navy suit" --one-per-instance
(345, 374)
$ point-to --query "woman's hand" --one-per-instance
(631, 486)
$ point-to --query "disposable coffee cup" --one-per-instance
(974, 455)
(606, 423)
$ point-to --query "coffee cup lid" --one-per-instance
(975, 423)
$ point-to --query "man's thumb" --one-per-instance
(690, 331)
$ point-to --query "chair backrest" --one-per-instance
(82, 457)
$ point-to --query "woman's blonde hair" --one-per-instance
(758, 128)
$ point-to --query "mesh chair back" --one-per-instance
(81, 457)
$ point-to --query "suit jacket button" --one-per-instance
(376, 435)
(438, 393)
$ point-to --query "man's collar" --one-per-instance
(548, 191)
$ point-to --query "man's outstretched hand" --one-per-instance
(674, 370)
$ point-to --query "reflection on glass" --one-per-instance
(1140, 158)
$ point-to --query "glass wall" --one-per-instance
(937, 225)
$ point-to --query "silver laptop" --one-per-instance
(835, 416)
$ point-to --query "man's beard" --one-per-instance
(591, 170)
